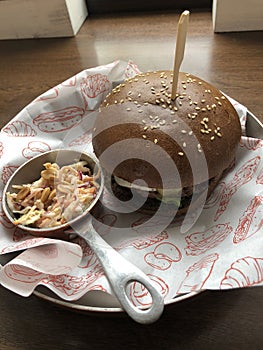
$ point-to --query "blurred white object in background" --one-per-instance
(237, 15)
(21, 19)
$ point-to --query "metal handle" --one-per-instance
(120, 273)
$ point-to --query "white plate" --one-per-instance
(97, 301)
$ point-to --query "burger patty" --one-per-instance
(152, 204)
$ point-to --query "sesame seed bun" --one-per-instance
(199, 130)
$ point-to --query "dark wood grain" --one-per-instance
(232, 62)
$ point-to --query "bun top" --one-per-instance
(199, 130)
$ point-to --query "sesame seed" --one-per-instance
(174, 121)
(155, 141)
(212, 138)
(219, 103)
(203, 109)
(203, 101)
(144, 136)
(146, 103)
(190, 133)
(139, 95)
(157, 101)
(175, 108)
(128, 109)
(140, 110)
(223, 97)
(180, 154)
(172, 112)
(183, 131)
(184, 144)
(164, 106)
(197, 108)
(217, 98)
(200, 83)
(143, 121)
(115, 101)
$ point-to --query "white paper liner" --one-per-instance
(224, 248)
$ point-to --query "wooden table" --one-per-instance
(212, 320)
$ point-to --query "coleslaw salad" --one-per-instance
(58, 196)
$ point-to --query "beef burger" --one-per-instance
(167, 151)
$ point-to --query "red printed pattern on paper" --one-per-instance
(242, 176)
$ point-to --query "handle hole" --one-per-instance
(139, 295)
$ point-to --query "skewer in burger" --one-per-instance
(193, 139)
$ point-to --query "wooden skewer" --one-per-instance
(179, 50)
